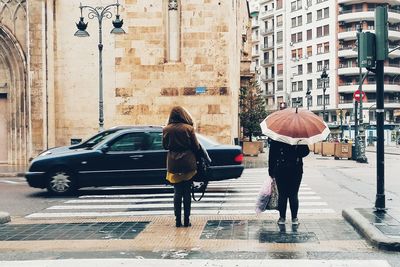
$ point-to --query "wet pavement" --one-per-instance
(387, 223)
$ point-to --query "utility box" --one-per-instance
(366, 51)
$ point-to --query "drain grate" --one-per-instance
(71, 231)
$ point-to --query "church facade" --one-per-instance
(174, 52)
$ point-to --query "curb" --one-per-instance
(4, 217)
(369, 232)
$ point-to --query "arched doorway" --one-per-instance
(14, 118)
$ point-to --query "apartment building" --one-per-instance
(360, 14)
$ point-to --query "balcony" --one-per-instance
(369, 88)
(354, 70)
(267, 78)
(396, 53)
(390, 2)
(267, 31)
(267, 47)
(348, 34)
(266, 14)
(347, 52)
(267, 62)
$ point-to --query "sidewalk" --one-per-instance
(12, 170)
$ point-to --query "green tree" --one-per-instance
(251, 109)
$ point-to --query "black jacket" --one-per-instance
(287, 156)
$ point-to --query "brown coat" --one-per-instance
(180, 139)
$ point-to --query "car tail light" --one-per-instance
(238, 158)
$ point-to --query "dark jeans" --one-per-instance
(288, 188)
(182, 190)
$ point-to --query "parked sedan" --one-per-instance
(133, 156)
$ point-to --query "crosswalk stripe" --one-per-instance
(163, 205)
(205, 198)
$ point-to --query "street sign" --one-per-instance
(356, 96)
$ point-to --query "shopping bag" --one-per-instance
(273, 200)
(264, 196)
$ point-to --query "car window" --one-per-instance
(128, 142)
(97, 138)
(155, 141)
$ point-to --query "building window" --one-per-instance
(326, 47)
(294, 54)
(309, 100)
(326, 99)
(319, 49)
(279, 4)
(319, 31)
(319, 65)
(319, 14)
(309, 51)
(279, 37)
(300, 53)
(320, 83)
(293, 5)
(309, 17)
(326, 12)
(299, 20)
(294, 22)
(293, 38)
(279, 53)
(279, 20)
(309, 2)
(309, 84)
(319, 100)
(279, 85)
(294, 86)
(299, 4)
(300, 69)
(326, 64)
(297, 102)
(299, 37)
(309, 34)
(256, 48)
(309, 67)
(279, 69)
(326, 30)
(300, 85)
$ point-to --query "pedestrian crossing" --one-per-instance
(228, 197)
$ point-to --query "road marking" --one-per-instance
(195, 263)
(164, 205)
(205, 198)
(9, 182)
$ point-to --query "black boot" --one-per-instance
(186, 222)
(178, 222)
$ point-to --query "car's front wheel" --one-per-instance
(61, 182)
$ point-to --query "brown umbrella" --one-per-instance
(295, 126)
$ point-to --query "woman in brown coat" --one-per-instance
(180, 140)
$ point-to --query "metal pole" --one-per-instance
(380, 150)
(341, 125)
(323, 99)
(101, 102)
(361, 142)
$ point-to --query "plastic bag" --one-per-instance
(264, 196)
(273, 200)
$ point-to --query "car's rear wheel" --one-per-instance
(61, 182)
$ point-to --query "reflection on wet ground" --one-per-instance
(267, 231)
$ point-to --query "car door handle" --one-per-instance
(136, 156)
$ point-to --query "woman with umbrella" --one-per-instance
(290, 131)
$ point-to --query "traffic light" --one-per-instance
(366, 51)
(381, 32)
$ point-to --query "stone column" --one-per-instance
(173, 31)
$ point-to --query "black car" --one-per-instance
(133, 156)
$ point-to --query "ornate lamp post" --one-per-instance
(308, 95)
(324, 77)
(100, 13)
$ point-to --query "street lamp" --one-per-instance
(308, 95)
(324, 77)
(100, 13)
